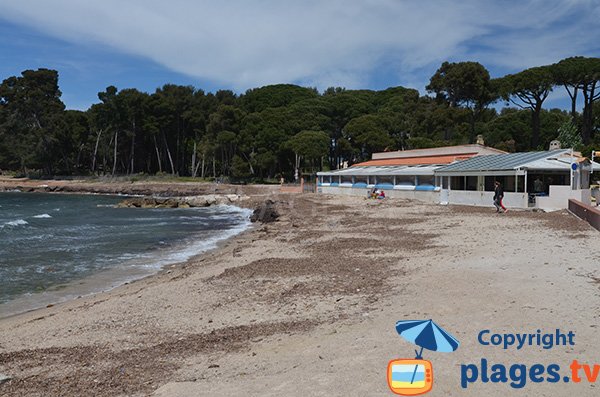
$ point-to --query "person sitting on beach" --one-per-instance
(381, 195)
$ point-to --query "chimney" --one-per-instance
(555, 144)
(480, 140)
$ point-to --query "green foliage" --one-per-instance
(529, 86)
(581, 75)
(369, 134)
(270, 131)
(31, 121)
(465, 84)
(569, 136)
(239, 168)
(462, 83)
(529, 89)
(258, 99)
(310, 144)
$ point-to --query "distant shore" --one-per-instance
(152, 187)
(307, 305)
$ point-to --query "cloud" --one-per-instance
(244, 44)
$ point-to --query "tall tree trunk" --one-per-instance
(78, 158)
(115, 153)
(297, 168)
(169, 154)
(203, 158)
(194, 168)
(535, 126)
(132, 161)
(157, 155)
(586, 130)
(177, 152)
(573, 96)
(472, 133)
(588, 114)
(96, 151)
(249, 162)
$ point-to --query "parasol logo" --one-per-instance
(412, 377)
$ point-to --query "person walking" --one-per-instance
(498, 196)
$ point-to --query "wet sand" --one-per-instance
(306, 306)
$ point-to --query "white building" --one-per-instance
(401, 174)
(544, 179)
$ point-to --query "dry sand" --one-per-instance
(306, 306)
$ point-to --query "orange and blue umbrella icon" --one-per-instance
(409, 377)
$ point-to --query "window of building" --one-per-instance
(457, 183)
(471, 183)
(405, 180)
(426, 180)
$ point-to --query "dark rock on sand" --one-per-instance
(265, 213)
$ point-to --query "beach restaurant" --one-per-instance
(401, 174)
(545, 179)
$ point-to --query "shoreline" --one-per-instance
(307, 305)
(110, 279)
(103, 282)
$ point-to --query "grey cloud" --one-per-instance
(250, 43)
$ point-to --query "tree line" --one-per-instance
(278, 130)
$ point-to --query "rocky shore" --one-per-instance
(136, 188)
(182, 202)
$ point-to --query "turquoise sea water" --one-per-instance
(48, 241)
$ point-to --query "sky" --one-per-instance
(238, 45)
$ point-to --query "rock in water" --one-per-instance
(265, 213)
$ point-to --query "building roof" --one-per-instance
(423, 160)
(508, 162)
(561, 163)
(381, 170)
(457, 151)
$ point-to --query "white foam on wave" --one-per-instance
(181, 254)
(18, 222)
(42, 216)
(134, 266)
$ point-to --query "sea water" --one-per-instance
(49, 242)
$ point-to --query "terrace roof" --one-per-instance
(421, 160)
(381, 170)
(501, 162)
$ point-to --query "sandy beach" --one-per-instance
(306, 306)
